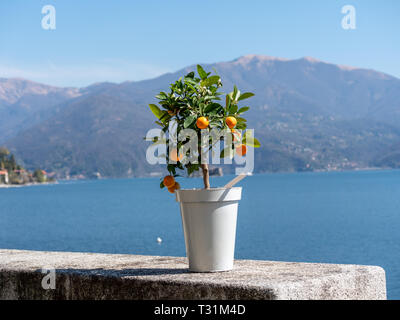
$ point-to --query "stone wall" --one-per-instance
(26, 275)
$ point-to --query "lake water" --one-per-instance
(348, 217)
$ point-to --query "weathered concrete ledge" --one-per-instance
(115, 276)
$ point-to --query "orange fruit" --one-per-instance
(241, 150)
(231, 122)
(169, 181)
(173, 155)
(176, 186)
(202, 123)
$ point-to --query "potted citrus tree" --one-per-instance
(196, 106)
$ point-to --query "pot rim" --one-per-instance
(210, 189)
(209, 195)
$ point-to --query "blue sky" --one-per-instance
(132, 40)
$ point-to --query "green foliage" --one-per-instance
(7, 160)
(192, 97)
(201, 72)
(156, 111)
(16, 173)
(245, 95)
(39, 176)
(250, 141)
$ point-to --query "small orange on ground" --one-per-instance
(231, 122)
(169, 181)
(202, 123)
(173, 155)
(241, 150)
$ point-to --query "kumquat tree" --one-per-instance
(193, 106)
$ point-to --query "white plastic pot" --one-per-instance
(209, 225)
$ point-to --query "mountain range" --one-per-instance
(308, 115)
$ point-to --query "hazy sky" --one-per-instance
(132, 40)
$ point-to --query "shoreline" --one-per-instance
(6, 186)
(368, 169)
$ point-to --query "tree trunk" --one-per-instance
(204, 167)
(206, 176)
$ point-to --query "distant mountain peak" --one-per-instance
(311, 59)
(256, 57)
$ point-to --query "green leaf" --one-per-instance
(201, 72)
(214, 124)
(245, 95)
(162, 184)
(241, 126)
(228, 101)
(156, 111)
(207, 98)
(190, 75)
(250, 141)
(212, 108)
(161, 96)
(244, 109)
(191, 81)
(247, 134)
(210, 81)
(233, 109)
(191, 87)
(235, 94)
(192, 168)
(189, 121)
(165, 117)
(171, 169)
